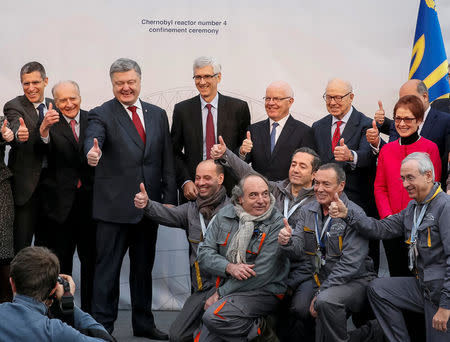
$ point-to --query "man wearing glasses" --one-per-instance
(197, 122)
(341, 137)
(271, 142)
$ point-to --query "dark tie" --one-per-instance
(336, 136)
(273, 136)
(137, 122)
(40, 108)
(75, 135)
(210, 135)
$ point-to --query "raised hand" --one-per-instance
(141, 198)
(190, 191)
(218, 150)
(22, 131)
(50, 118)
(7, 133)
(373, 135)
(247, 145)
(240, 271)
(337, 208)
(285, 233)
(94, 154)
(380, 114)
(342, 152)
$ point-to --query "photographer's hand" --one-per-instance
(60, 289)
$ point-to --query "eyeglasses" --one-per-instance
(275, 99)
(408, 178)
(336, 98)
(405, 120)
(203, 77)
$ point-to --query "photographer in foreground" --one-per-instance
(36, 286)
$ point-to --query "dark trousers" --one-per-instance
(77, 231)
(113, 240)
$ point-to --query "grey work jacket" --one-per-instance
(346, 251)
(433, 240)
(271, 266)
(185, 216)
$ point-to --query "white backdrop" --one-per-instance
(302, 42)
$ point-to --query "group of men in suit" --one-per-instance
(76, 173)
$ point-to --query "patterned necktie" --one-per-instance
(210, 135)
(40, 108)
(75, 135)
(137, 122)
(273, 136)
(336, 136)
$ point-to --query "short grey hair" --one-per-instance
(422, 88)
(32, 67)
(340, 173)
(238, 190)
(203, 61)
(124, 65)
(75, 84)
(423, 160)
(348, 86)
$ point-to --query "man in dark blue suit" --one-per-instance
(341, 137)
(435, 125)
(128, 142)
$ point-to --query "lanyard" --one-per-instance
(202, 222)
(325, 228)
(287, 213)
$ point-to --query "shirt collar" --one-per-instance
(281, 122)
(31, 303)
(344, 119)
(76, 118)
(37, 104)
(426, 114)
(213, 103)
(138, 104)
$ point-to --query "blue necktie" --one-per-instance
(41, 112)
(272, 136)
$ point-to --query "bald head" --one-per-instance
(283, 87)
(67, 98)
(339, 83)
(209, 177)
(278, 100)
(416, 88)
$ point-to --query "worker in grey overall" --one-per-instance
(425, 225)
(194, 217)
(241, 248)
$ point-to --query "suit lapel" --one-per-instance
(351, 126)
(266, 137)
(66, 131)
(284, 136)
(428, 124)
(125, 121)
(197, 125)
(221, 116)
(30, 115)
(325, 136)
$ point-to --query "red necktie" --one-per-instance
(72, 125)
(137, 122)
(336, 136)
(210, 135)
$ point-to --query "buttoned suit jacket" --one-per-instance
(25, 158)
(359, 181)
(233, 119)
(66, 165)
(275, 165)
(126, 162)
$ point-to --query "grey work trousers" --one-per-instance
(388, 296)
(236, 317)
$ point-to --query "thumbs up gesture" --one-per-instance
(22, 131)
(50, 118)
(7, 133)
(218, 150)
(342, 152)
(380, 114)
(247, 145)
(285, 233)
(337, 208)
(94, 154)
(373, 135)
(141, 198)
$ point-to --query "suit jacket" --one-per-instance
(25, 159)
(359, 180)
(233, 119)
(442, 105)
(275, 165)
(126, 161)
(66, 165)
(435, 128)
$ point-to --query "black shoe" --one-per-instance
(153, 334)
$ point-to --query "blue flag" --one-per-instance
(429, 60)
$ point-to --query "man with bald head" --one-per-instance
(435, 125)
(67, 188)
(270, 143)
(194, 217)
(341, 137)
